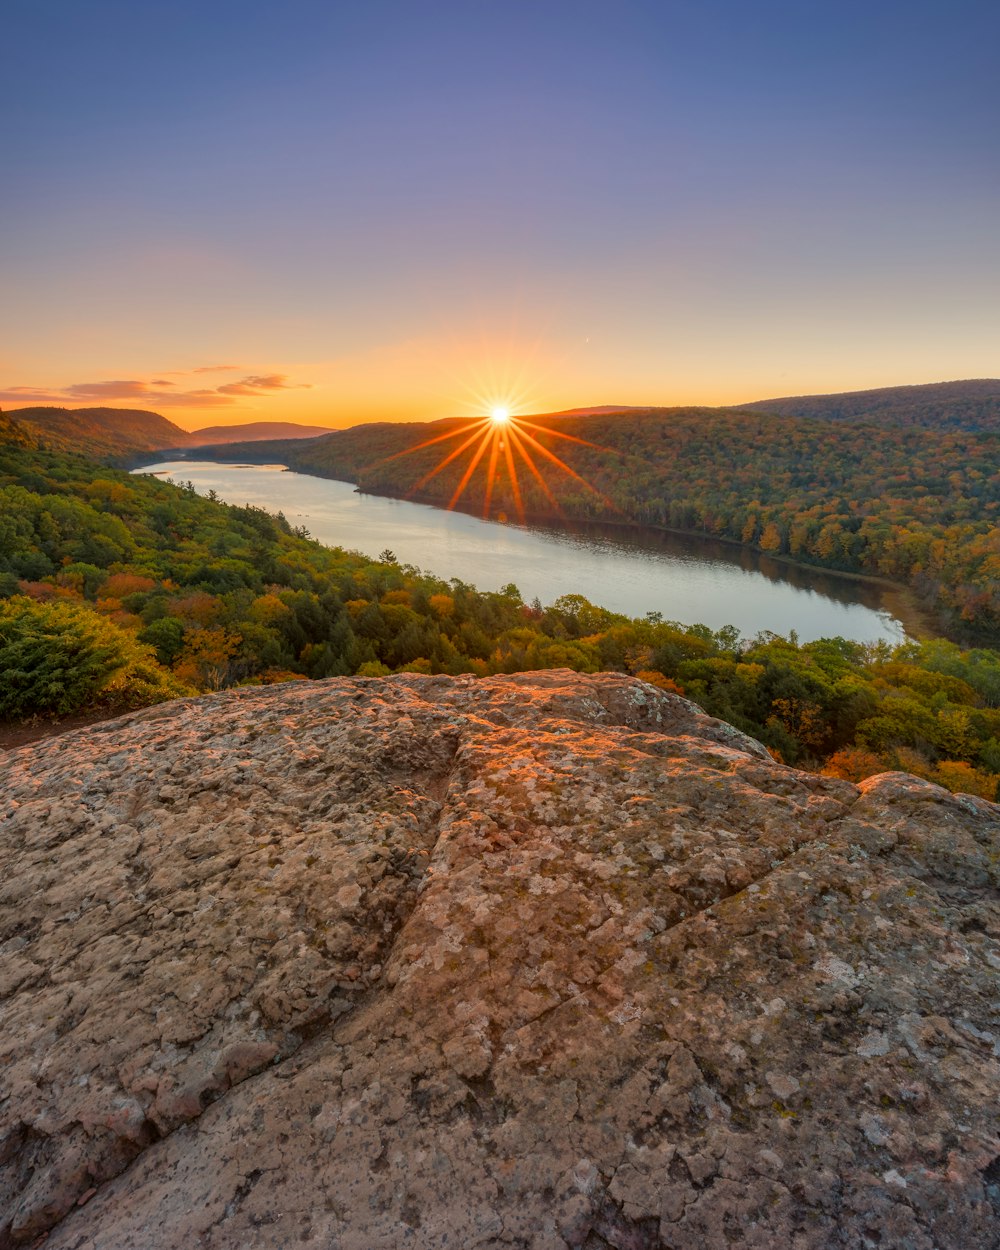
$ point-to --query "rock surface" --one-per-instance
(543, 961)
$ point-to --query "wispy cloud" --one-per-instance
(255, 384)
(157, 392)
(217, 369)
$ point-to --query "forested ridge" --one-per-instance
(915, 505)
(118, 591)
(112, 434)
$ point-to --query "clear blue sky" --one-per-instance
(347, 211)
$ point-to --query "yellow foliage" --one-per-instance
(268, 609)
(957, 775)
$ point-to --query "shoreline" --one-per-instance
(900, 601)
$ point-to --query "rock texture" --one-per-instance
(544, 961)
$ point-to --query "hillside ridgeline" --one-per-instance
(113, 434)
(970, 405)
(256, 431)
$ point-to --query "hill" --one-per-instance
(254, 431)
(115, 433)
(547, 960)
(969, 405)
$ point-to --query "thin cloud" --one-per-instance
(217, 369)
(29, 395)
(256, 383)
(118, 390)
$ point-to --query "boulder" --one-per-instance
(541, 961)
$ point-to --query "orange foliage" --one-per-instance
(197, 608)
(46, 591)
(268, 609)
(204, 662)
(397, 596)
(102, 490)
(657, 679)
(118, 585)
(802, 720)
(442, 605)
(853, 764)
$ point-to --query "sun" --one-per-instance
(497, 441)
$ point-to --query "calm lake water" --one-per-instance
(685, 578)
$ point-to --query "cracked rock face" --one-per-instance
(543, 961)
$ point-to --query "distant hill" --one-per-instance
(256, 431)
(970, 405)
(121, 433)
(103, 433)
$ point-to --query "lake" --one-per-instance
(684, 577)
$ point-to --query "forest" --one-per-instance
(117, 591)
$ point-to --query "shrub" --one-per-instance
(61, 657)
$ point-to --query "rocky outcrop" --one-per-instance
(542, 961)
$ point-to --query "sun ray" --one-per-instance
(525, 456)
(428, 442)
(448, 459)
(549, 455)
(512, 474)
(470, 468)
(491, 472)
(572, 438)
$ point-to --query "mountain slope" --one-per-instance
(15, 433)
(102, 432)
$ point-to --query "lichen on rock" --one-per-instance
(546, 961)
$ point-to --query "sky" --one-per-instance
(338, 212)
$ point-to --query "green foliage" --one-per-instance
(61, 657)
